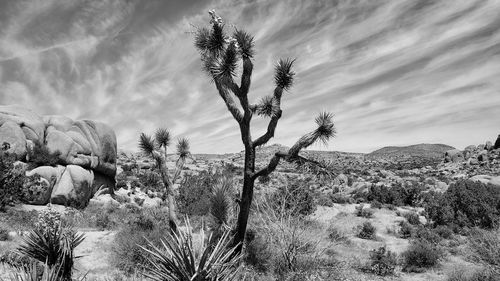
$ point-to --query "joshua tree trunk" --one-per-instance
(172, 216)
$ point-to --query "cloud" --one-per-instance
(392, 72)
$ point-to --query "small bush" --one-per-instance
(364, 212)
(4, 234)
(335, 235)
(367, 231)
(427, 234)
(376, 204)
(297, 197)
(412, 217)
(476, 275)
(341, 199)
(40, 155)
(485, 246)
(405, 230)
(324, 201)
(383, 262)
(420, 256)
(257, 252)
(444, 231)
(11, 180)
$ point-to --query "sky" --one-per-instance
(396, 72)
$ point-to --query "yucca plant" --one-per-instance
(186, 256)
(52, 243)
(220, 55)
(152, 148)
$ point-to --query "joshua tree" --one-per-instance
(221, 54)
(152, 147)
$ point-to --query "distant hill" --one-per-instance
(418, 150)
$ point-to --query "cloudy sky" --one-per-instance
(393, 72)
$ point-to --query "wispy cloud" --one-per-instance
(393, 72)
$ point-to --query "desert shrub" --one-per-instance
(396, 194)
(4, 234)
(193, 198)
(405, 230)
(150, 180)
(121, 184)
(375, 204)
(465, 204)
(382, 261)
(11, 180)
(324, 201)
(341, 199)
(420, 255)
(257, 251)
(127, 253)
(427, 234)
(296, 197)
(335, 235)
(444, 231)
(18, 220)
(412, 217)
(367, 231)
(15, 260)
(363, 212)
(40, 155)
(485, 248)
(476, 275)
(52, 243)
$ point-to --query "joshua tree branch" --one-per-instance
(246, 75)
(271, 127)
(231, 105)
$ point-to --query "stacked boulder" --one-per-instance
(86, 153)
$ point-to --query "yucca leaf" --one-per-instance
(146, 144)
(267, 107)
(283, 74)
(162, 137)
(245, 43)
(183, 148)
(326, 128)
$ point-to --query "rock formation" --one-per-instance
(87, 153)
(497, 143)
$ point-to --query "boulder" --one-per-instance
(482, 156)
(495, 181)
(87, 152)
(103, 202)
(12, 139)
(488, 145)
(481, 178)
(453, 155)
(73, 187)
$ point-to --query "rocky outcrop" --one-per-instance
(497, 143)
(453, 155)
(86, 152)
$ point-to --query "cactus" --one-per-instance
(152, 148)
(221, 54)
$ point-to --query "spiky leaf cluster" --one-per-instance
(146, 144)
(162, 137)
(283, 74)
(183, 148)
(326, 128)
(245, 42)
(267, 107)
(179, 258)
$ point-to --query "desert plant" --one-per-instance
(11, 180)
(420, 255)
(367, 231)
(465, 204)
(4, 234)
(405, 230)
(220, 55)
(52, 243)
(257, 251)
(363, 212)
(382, 261)
(179, 258)
(40, 155)
(412, 217)
(152, 147)
(462, 274)
(485, 248)
(296, 197)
